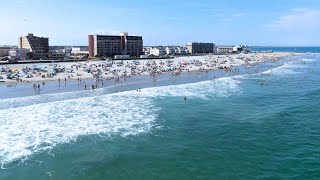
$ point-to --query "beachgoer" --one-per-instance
(92, 87)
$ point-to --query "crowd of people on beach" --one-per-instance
(128, 68)
(119, 70)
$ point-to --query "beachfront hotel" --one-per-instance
(109, 45)
(38, 46)
(200, 48)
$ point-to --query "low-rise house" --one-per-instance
(18, 54)
(158, 51)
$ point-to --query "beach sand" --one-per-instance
(73, 71)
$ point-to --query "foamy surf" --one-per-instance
(47, 98)
(54, 119)
(36, 128)
(285, 69)
(308, 60)
(222, 87)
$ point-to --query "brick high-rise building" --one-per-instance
(108, 45)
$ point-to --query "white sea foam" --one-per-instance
(31, 129)
(308, 60)
(285, 69)
(60, 118)
(222, 87)
(46, 98)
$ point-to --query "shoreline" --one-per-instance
(134, 82)
(111, 70)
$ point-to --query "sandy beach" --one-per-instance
(73, 71)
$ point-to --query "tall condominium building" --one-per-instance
(107, 45)
(38, 46)
(198, 48)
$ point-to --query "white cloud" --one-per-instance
(297, 19)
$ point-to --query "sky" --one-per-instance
(165, 22)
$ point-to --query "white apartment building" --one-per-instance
(158, 51)
(225, 49)
(170, 51)
(181, 50)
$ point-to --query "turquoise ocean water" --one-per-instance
(228, 128)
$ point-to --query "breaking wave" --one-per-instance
(36, 124)
(308, 60)
(286, 68)
(222, 87)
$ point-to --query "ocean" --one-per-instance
(252, 125)
(287, 49)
